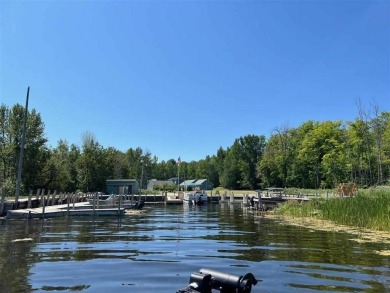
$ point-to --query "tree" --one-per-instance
(91, 169)
(386, 148)
(364, 131)
(230, 177)
(360, 156)
(134, 157)
(247, 151)
(57, 170)
(268, 170)
(379, 123)
(35, 153)
(323, 141)
(116, 164)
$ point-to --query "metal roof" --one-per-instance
(193, 182)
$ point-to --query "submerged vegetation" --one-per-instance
(370, 209)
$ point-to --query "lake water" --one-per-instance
(157, 251)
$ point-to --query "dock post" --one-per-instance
(48, 198)
(29, 199)
(232, 197)
(94, 200)
(119, 205)
(36, 202)
(43, 203)
(42, 197)
(53, 198)
(260, 205)
(2, 202)
(37, 196)
(68, 201)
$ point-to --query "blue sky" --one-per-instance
(183, 78)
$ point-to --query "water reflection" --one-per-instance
(158, 250)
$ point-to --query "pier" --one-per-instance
(64, 210)
(51, 204)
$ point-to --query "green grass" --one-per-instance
(369, 209)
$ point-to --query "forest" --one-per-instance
(317, 154)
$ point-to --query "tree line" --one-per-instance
(314, 155)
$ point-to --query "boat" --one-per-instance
(196, 197)
(113, 200)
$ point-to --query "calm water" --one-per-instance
(158, 250)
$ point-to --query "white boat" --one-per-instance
(113, 200)
(196, 197)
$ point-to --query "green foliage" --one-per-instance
(36, 154)
(239, 168)
(313, 155)
(165, 187)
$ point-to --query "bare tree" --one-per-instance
(378, 128)
(364, 117)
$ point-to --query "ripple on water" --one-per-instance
(157, 251)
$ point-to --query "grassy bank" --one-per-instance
(369, 209)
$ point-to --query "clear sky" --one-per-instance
(183, 78)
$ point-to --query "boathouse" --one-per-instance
(122, 186)
(198, 184)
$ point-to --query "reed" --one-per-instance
(369, 209)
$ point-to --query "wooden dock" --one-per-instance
(83, 209)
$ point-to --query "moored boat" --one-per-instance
(196, 197)
(115, 200)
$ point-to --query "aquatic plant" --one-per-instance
(369, 209)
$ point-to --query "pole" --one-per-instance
(142, 175)
(178, 178)
(178, 175)
(21, 151)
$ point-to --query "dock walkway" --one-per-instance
(76, 209)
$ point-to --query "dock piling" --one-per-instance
(2, 201)
(29, 199)
(42, 197)
(68, 201)
(119, 204)
(53, 198)
(94, 200)
(43, 203)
